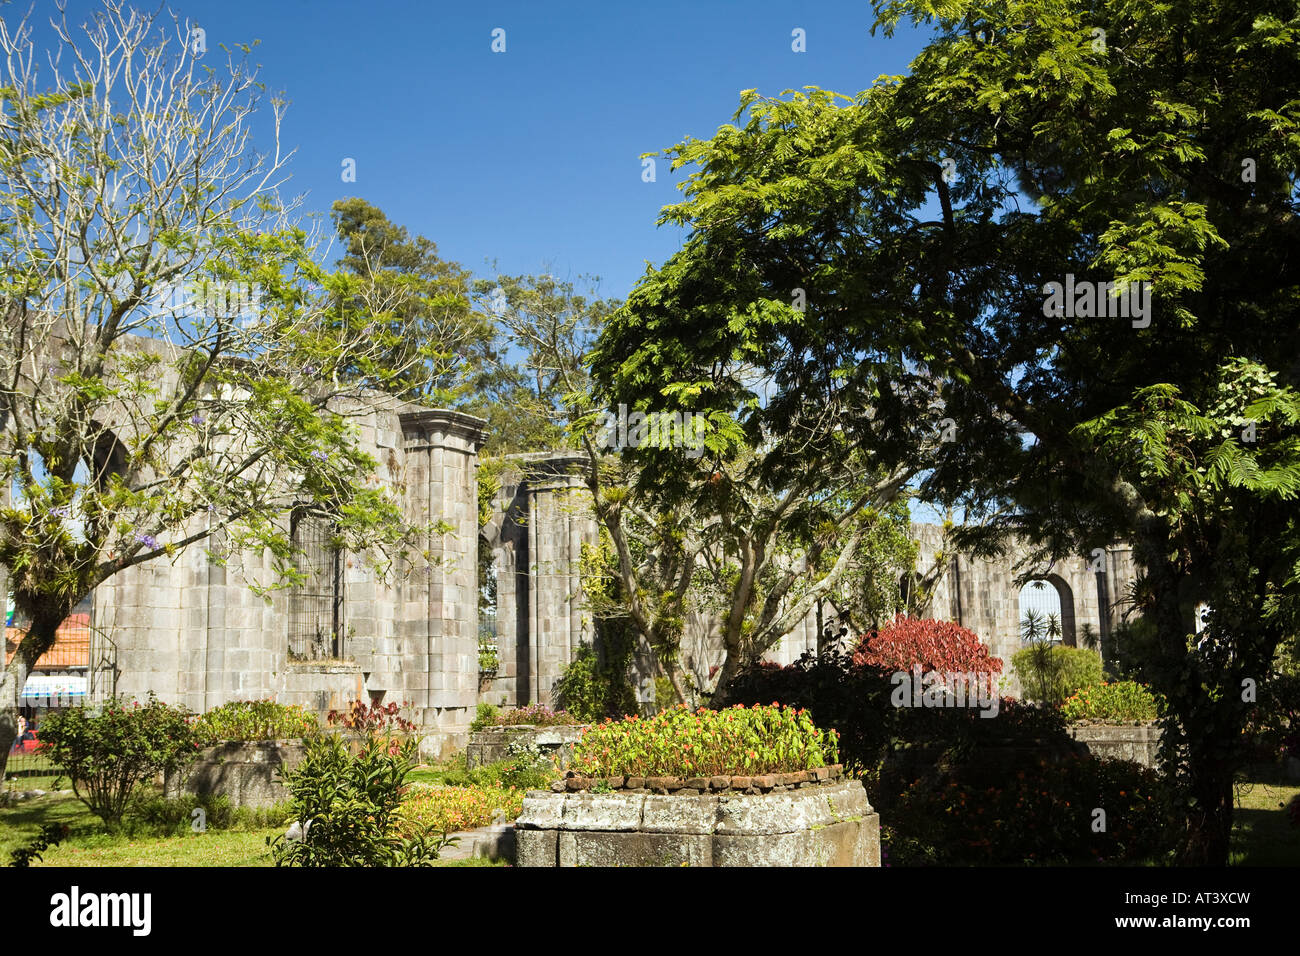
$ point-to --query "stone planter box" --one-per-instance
(1137, 742)
(493, 744)
(246, 773)
(805, 819)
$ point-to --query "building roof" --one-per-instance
(71, 644)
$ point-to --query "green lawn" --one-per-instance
(88, 845)
(1262, 835)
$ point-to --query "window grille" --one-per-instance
(316, 605)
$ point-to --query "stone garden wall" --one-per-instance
(493, 743)
(1137, 742)
(246, 773)
(810, 818)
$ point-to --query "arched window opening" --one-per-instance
(1042, 613)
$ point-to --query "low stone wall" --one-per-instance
(805, 819)
(493, 743)
(244, 772)
(321, 686)
(1137, 742)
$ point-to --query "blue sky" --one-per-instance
(531, 156)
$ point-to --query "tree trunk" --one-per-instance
(38, 639)
(10, 689)
(1209, 824)
(722, 690)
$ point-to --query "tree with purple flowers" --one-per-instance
(175, 365)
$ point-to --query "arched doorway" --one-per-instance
(1046, 611)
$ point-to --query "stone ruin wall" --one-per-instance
(195, 633)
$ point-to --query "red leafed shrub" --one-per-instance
(908, 642)
(371, 718)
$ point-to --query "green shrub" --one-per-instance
(684, 743)
(161, 816)
(51, 834)
(1120, 702)
(665, 695)
(875, 736)
(108, 754)
(345, 808)
(488, 659)
(1052, 672)
(1043, 815)
(534, 715)
(528, 768)
(525, 769)
(257, 720)
(485, 716)
(591, 690)
(956, 788)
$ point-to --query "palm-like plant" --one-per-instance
(1032, 626)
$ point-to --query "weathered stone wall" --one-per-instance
(543, 518)
(438, 667)
(493, 743)
(1137, 742)
(248, 774)
(194, 632)
(818, 824)
(983, 595)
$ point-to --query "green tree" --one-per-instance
(770, 527)
(431, 332)
(1140, 155)
(175, 367)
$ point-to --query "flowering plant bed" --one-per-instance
(425, 808)
(738, 741)
(246, 720)
(761, 783)
(756, 786)
(1121, 702)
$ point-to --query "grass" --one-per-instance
(1262, 835)
(89, 844)
(29, 771)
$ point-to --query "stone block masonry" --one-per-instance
(493, 743)
(798, 822)
(1137, 742)
(246, 773)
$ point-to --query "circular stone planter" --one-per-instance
(493, 743)
(810, 818)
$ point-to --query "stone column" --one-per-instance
(439, 628)
(558, 523)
